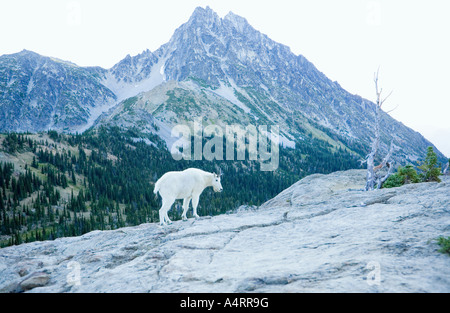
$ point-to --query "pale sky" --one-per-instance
(347, 40)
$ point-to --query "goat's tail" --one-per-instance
(156, 189)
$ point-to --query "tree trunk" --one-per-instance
(390, 166)
(371, 177)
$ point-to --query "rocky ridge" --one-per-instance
(322, 234)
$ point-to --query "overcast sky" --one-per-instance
(347, 40)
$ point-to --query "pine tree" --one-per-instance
(74, 180)
(430, 168)
(34, 163)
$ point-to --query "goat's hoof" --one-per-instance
(184, 218)
(196, 216)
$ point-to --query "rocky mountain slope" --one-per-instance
(219, 69)
(39, 93)
(226, 71)
(321, 234)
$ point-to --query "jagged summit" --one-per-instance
(204, 13)
(238, 22)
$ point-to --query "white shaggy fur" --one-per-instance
(187, 185)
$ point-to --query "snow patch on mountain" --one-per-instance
(228, 92)
(124, 90)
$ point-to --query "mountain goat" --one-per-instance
(187, 185)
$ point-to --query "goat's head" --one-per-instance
(217, 186)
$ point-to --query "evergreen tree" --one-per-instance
(74, 180)
(430, 168)
(34, 163)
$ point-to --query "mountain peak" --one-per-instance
(31, 55)
(204, 14)
(27, 53)
(238, 21)
(201, 10)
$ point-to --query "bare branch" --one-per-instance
(392, 109)
(388, 174)
(382, 101)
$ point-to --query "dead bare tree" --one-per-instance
(374, 172)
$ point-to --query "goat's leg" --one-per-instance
(161, 216)
(166, 205)
(195, 204)
(166, 217)
(162, 222)
(186, 202)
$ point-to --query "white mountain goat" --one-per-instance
(187, 185)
